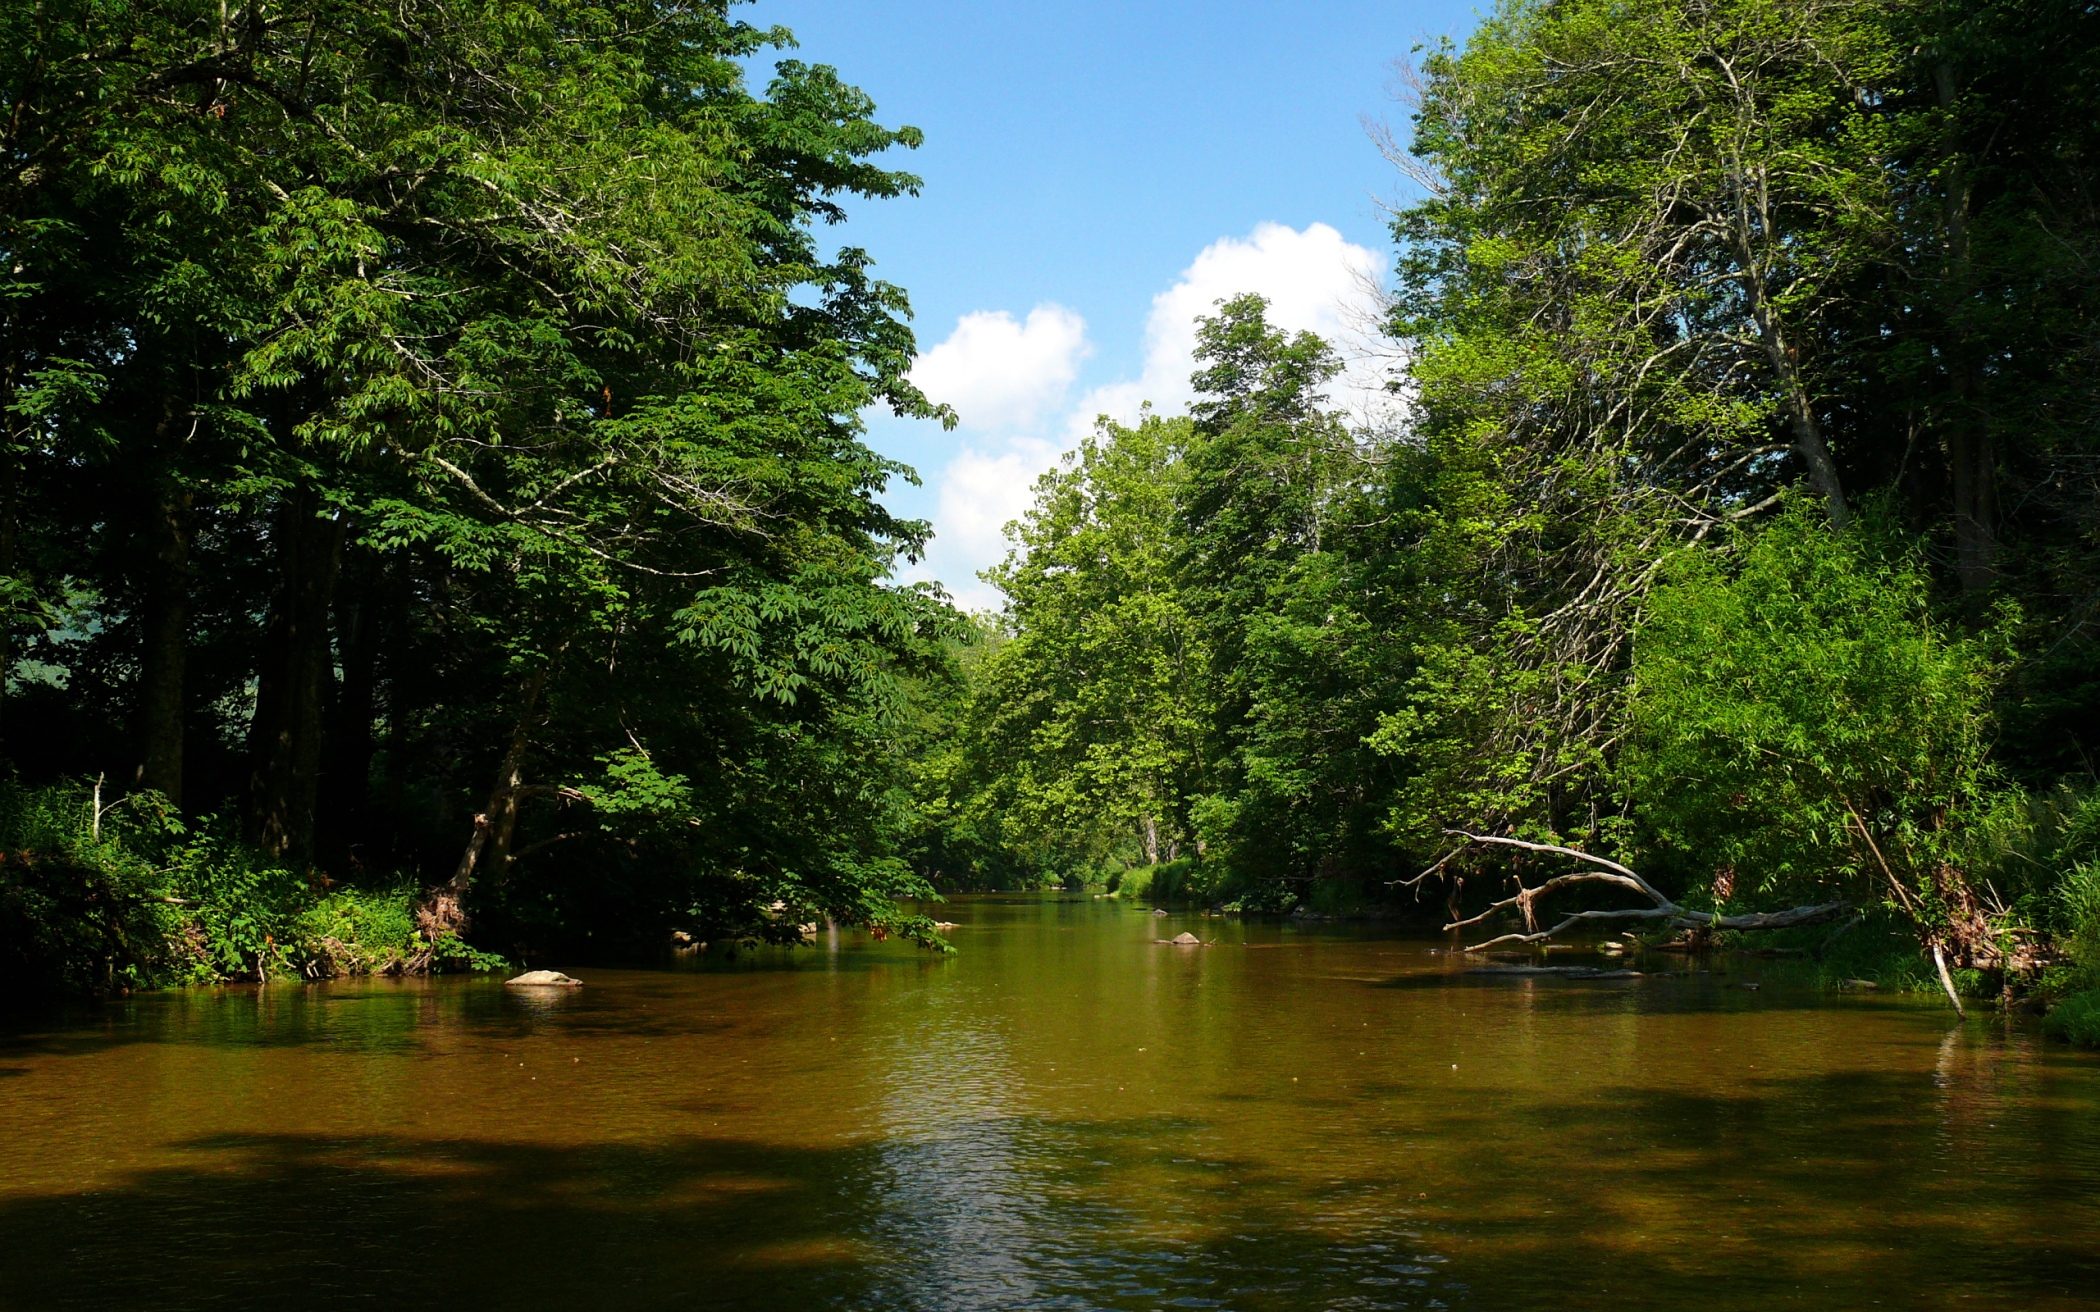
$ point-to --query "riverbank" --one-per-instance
(107, 899)
(1877, 951)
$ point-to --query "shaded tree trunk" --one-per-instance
(488, 848)
(8, 530)
(294, 679)
(361, 605)
(1750, 229)
(1972, 463)
(13, 440)
(164, 651)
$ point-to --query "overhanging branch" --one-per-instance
(1661, 908)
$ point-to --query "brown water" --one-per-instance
(1066, 1115)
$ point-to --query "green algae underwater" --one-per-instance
(1065, 1114)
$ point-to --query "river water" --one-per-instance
(1066, 1114)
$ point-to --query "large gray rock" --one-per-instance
(1182, 941)
(545, 979)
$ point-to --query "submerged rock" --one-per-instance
(1564, 972)
(545, 979)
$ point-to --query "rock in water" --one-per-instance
(1562, 972)
(1159, 911)
(546, 978)
(1182, 941)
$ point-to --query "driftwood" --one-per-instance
(1610, 873)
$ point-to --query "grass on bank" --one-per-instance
(136, 898)
(2076, 1017)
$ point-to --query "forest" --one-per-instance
(437, 526)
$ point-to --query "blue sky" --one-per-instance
(1097, 174)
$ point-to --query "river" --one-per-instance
(1064, 1115)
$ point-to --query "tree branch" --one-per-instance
(1671, 915)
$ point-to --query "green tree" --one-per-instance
(495, 346)
(1802, 728)
(1088, 724)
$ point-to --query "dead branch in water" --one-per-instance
(1662, 910)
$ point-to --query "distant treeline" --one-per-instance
(1741, 526)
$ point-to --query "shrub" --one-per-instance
(2076, 1019)
(106, 898)
(1802, 727)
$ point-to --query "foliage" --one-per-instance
(1800, 723)
(434, 445)
(2076, 1019)
(139, 899)
(1086, 723)
(1700, 546)
(1195, 644)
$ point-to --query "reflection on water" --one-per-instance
(1064, 1116)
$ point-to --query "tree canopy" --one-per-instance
(434, 447)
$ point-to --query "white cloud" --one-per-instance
(1001, 373)
(1315, 281)
(981, 491)
(1006, 378)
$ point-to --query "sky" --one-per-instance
(1096, 176)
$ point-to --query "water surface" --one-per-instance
(1065, 1115)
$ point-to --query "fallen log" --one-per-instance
(1661, 910)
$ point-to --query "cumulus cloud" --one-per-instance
(999, 372)
(1315, 281)
(981, 491)
(1008, 379)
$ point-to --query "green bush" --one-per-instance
(1185, 880)
(2076, 1019)
(132, 898)
(2078, 911)
(1802, 724)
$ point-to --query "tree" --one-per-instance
(1803, 727)
(493, 345)
(1198, 643)
(1088, 724)
(1615, 294)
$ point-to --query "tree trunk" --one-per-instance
(1973, 477)
(164, 652)
(8, 523)
(13, 440)
(1972, 464)
(1150, 836)
(494, 827)
(1807, 430)
(294, 680)
(362, 601)
(1750, 224)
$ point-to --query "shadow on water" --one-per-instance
(1813, 1193)
(363, 1015)
(349, 1222)
(353, 1222)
